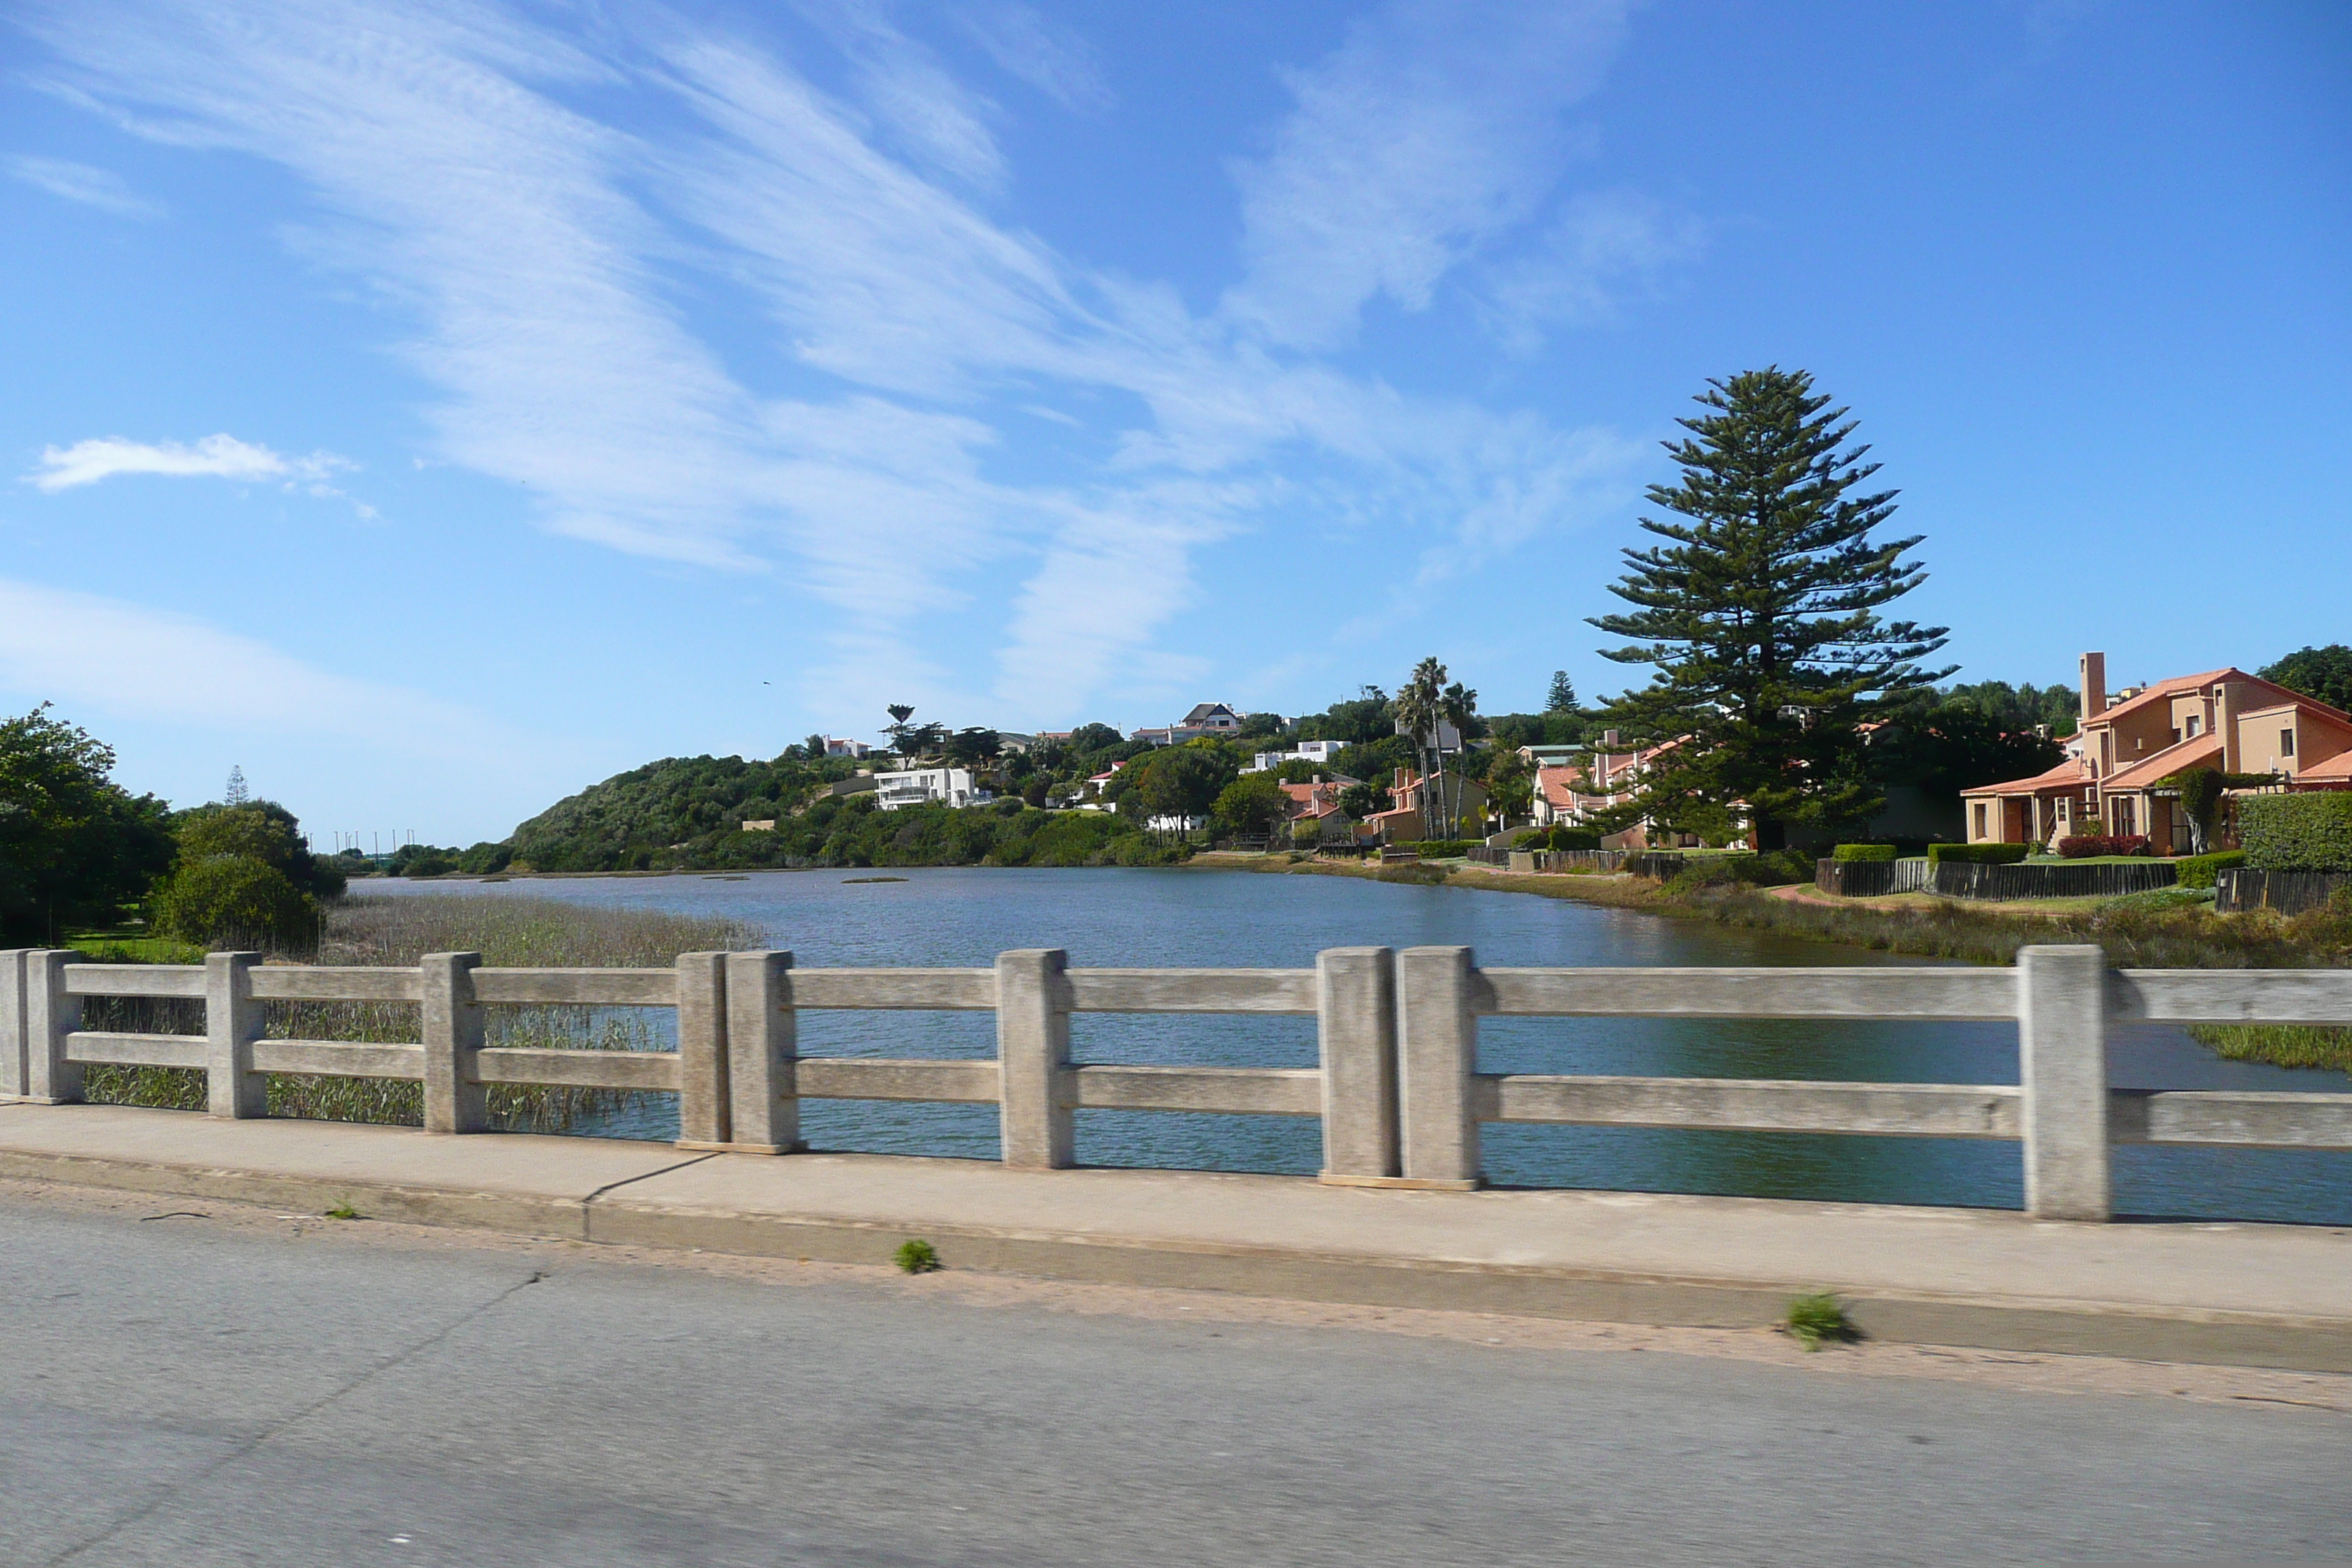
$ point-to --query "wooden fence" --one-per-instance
(2288, 892)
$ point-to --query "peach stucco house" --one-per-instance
(2126, 745)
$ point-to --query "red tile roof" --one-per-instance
(2197, 751)
(2068, 774)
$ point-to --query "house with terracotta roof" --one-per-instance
(1408, 821)
(1206, 719)
(1314, 810)
(2128, 745)
(1607, 777)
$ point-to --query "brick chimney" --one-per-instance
(2094, 685)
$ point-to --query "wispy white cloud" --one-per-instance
(1605, 250)
(455, 165)
(84, 183)
(220, 456)
(135, 662)
(1034, 48)
(1436, 127)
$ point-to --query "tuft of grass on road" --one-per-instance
(1818, 1320)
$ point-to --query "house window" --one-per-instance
(1980, 819)
(2287, 742)
(2193, 723)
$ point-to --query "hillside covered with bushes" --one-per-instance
(687, 812)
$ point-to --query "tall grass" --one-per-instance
(508, 932)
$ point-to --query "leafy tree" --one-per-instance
(899, 727)
(75, 847)
(1095, 737)
(1362, 800)
(1359, 720)
(1561, 698)
(235, 900)
(259, 830)
(1184, 781)
(1260, 726)
(1511, 783)
(972, 746)
(2019, 707)
(1253, 802)
(2325, 673)
(1759, 613)
(1943, 748)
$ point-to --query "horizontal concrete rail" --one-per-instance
(1193, 991)
(1398, 1089)
(1954, 993)
(135, 980)
(2249, 1118)
(870, 1078)
(2231, 995)
(1755, 1105)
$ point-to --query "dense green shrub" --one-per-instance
(2203, 870)
(75, 847)
(1977, 854)
(1773, 869)
(2297, 832)
(1862, 852)
(1436, 848)
(235, 900)
(1561, 835)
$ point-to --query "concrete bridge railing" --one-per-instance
(1397, 1087)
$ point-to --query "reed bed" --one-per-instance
(509, 933)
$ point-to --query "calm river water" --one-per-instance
(1199, 917)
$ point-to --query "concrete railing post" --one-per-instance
(456, 1101)
(762, 1047)
(702, 1050)
(1032, 1053)
(2061, 1063)
(50, 1015)
(1355, 1022)
(232, 1023)
(12, 1024)
(1437, 1055)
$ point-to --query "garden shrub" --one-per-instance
(2309, 832)
(1977, 854)
(1862, 852)
(1559, 835)
(2083, 846)
(1436, 848)
(235, 900)
(2204, 870)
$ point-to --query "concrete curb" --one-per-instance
(609, 1216)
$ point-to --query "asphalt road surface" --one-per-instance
(183, 1392)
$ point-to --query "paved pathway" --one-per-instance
(185, 1393)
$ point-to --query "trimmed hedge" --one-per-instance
(2205, 870)
(1436, 848)
(2085, 846)
(1977, 854)
(2297, 832)
(1558, 836)
(1864, 852)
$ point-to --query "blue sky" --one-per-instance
(433, 406)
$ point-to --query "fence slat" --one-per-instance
(309, 982)
(1242, 1091)
(870, 1078)
(946, 990)
(1890, 993)
(2231, 995)
(1192, 990)
(2244, 1117)
(1914, 1109)
(136, 980)
(656, 1071)
(579, 987)
(338, 1058)
(116, 1049)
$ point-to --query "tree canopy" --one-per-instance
(75, 847)
(2325, 673)
(1759, 612)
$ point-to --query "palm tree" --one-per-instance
(1458, 707)
(1417, 704)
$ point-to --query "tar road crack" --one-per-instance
(289, 1422)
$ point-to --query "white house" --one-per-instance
(1205, 719)
(836, 747)
(926, 786)
(1317, 751)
